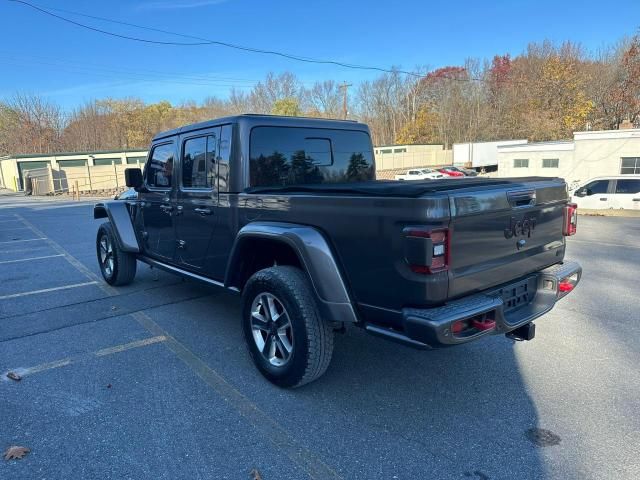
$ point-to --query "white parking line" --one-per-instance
(11, 229)
(31, 258)
(23, 371)
(46, 290)
(25, 240)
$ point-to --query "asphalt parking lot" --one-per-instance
(152, 380)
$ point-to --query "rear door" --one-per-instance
(627, 194)
(501, 233)
(197, 201)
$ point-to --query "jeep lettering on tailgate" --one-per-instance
(520, 228)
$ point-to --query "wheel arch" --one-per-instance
(301, 246)
(118, 214)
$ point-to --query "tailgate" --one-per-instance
(498, 234)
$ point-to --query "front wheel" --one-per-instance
(117, 267)
(288, 340)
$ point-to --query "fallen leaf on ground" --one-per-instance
(255, 474)
(15, 452)
(14, 376)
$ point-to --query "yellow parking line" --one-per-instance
(129, 346)
(250, 411)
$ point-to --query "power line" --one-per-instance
(202, 41)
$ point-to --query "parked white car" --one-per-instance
(615, 192)
(420, 174)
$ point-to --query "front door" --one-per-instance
(594, 195)
(197, 200)
(157, 203)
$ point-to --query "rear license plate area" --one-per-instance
(517, 295)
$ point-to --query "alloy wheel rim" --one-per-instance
(271, 329)
(106, 255)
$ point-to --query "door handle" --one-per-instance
(166, 208)
(603, 199)
(636, 199)
(203, 211)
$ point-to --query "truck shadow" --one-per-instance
(462, 412)
(467, 405)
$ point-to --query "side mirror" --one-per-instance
(581, 192)
(133, 177)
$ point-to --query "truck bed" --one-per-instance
(398, 188)
(366, 224)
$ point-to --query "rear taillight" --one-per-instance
(570, 219)
(427, 250)
(567, 284)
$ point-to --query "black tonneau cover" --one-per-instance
(395, 188)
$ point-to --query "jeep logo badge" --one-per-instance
(520, 228)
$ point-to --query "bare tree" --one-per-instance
(325, 99)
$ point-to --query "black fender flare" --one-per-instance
(316, 257)
(118, 214)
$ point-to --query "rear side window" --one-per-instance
(159, 170)
(281, 156)
(628, 186)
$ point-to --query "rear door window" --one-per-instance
(628, 186)
(194, 163)
(281, 156)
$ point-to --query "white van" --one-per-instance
(622, 191)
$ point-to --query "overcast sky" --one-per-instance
(44, 55)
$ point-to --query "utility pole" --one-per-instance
(344, 87)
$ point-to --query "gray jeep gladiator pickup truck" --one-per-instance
(286, 212)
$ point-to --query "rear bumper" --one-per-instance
(507, 307)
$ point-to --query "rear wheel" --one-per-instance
(288, 340)
(117, 267)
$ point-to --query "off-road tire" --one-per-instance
(312, 344)
(123, 268)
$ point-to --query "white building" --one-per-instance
(588, 155)
(480, 154)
